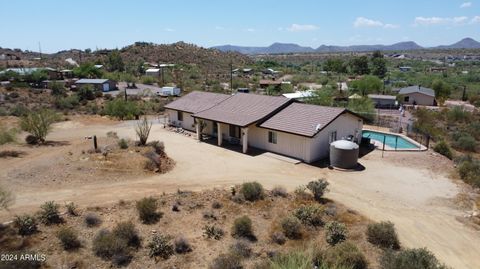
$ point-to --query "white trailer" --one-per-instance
(169, 91)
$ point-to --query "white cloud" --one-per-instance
(475, 19)
(440, 20)
(302, 27)
(169, 30)
(365, 22)
(466, 5)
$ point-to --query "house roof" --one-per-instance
(197, 101)
(152, 70)
(243, 109)
(417, 89)
(381, 96)
(303, 119)
(299, 94)
(91, 81)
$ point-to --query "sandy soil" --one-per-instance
(410, 189)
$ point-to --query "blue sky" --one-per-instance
(92, 24)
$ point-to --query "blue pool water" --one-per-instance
(390, 140)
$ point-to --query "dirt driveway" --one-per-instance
(404, 188)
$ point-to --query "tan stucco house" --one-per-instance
(271, 123)
(417, 95)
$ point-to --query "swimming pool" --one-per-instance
(391, 140)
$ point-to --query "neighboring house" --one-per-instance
(152, 72)
(417, 95)
(300, 95)
(384, 101)
(103, 85)
(265, 83)
(181, 110)
(23, 71)
(270, 123)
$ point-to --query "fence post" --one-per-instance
(383, 148)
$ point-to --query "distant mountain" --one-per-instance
(466, 43)
(277, 48)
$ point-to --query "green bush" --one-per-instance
(26, 225)
(69, 102)
(147, 210)
(383, 234)
(242, 227)
(7, 135)
(119, 108)
(227, 261)
(123, 143)
(335, 232)
(160, 246)
(49, 213)
(212, 231)
(148, 80)
(318, 188)
(469, 170)
(38, 123)
(310, 215)
(443, 148)
(464, 141)
(292, 227)
(291, 260)
(252, 191)
(346, 255)
(106, 245)
(127, 232)
(410, 258)
(68, 238)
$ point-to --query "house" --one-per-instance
(152, 72)
(270, 123)
(417, 95)
(265, 83)
(384, 101)
(101, 84)
(181, 110)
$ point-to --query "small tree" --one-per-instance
(49, 213)
(336, 232)
(38, 123)
(318, 188)
(143, 130)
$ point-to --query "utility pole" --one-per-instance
(231, 76)
(464, 95)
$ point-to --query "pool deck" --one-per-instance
(379, 145)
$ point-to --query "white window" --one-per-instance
(333, 136)
(272, 137)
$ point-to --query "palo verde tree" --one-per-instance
(115, 61)
(379, 65)
(38, 124)
(359, 65)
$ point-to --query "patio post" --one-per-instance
(245, 140)
(219, 134)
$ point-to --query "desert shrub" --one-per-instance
(147, 210)
(49, 213)
(148, 80)
(310, 214)
(443, 148)
(68, 238)
(119, 108)
(71, 209)
(209, 214)
(19, 111)
(278, 238)
(92, 219)
(241, 248)
(6, 197)
(38, 123)
(242, 227)
(212, 231)
(292, 227)
(127, 232)
(7, 135)
(301, 192)
(291, 260)
(26, 225)
(410, 258)
(142, 129)
(227, 261)
(123, 143)
(469, 170)
(160, 246)
(216, 205)
(318, 188)
(86, 93)
(68, 102)
(464, 141)
(383, 234)
(182, 245)
(335, 232)
(252, 191)
(238, 198)
(279, 191)
(344, 254)
(158, 146)
(106, 245)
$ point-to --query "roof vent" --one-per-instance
(318, 127)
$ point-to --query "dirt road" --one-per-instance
(396, 188)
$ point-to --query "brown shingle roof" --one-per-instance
(197, 101)
(303, 119)
(243, 109)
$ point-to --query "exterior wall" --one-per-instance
(419, 99)
(344, 125)
(152, 74)
(287, 144)
(383, 102)
(187, 123)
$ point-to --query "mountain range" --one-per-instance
(278, 48)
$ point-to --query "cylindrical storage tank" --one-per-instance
(344, 154)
